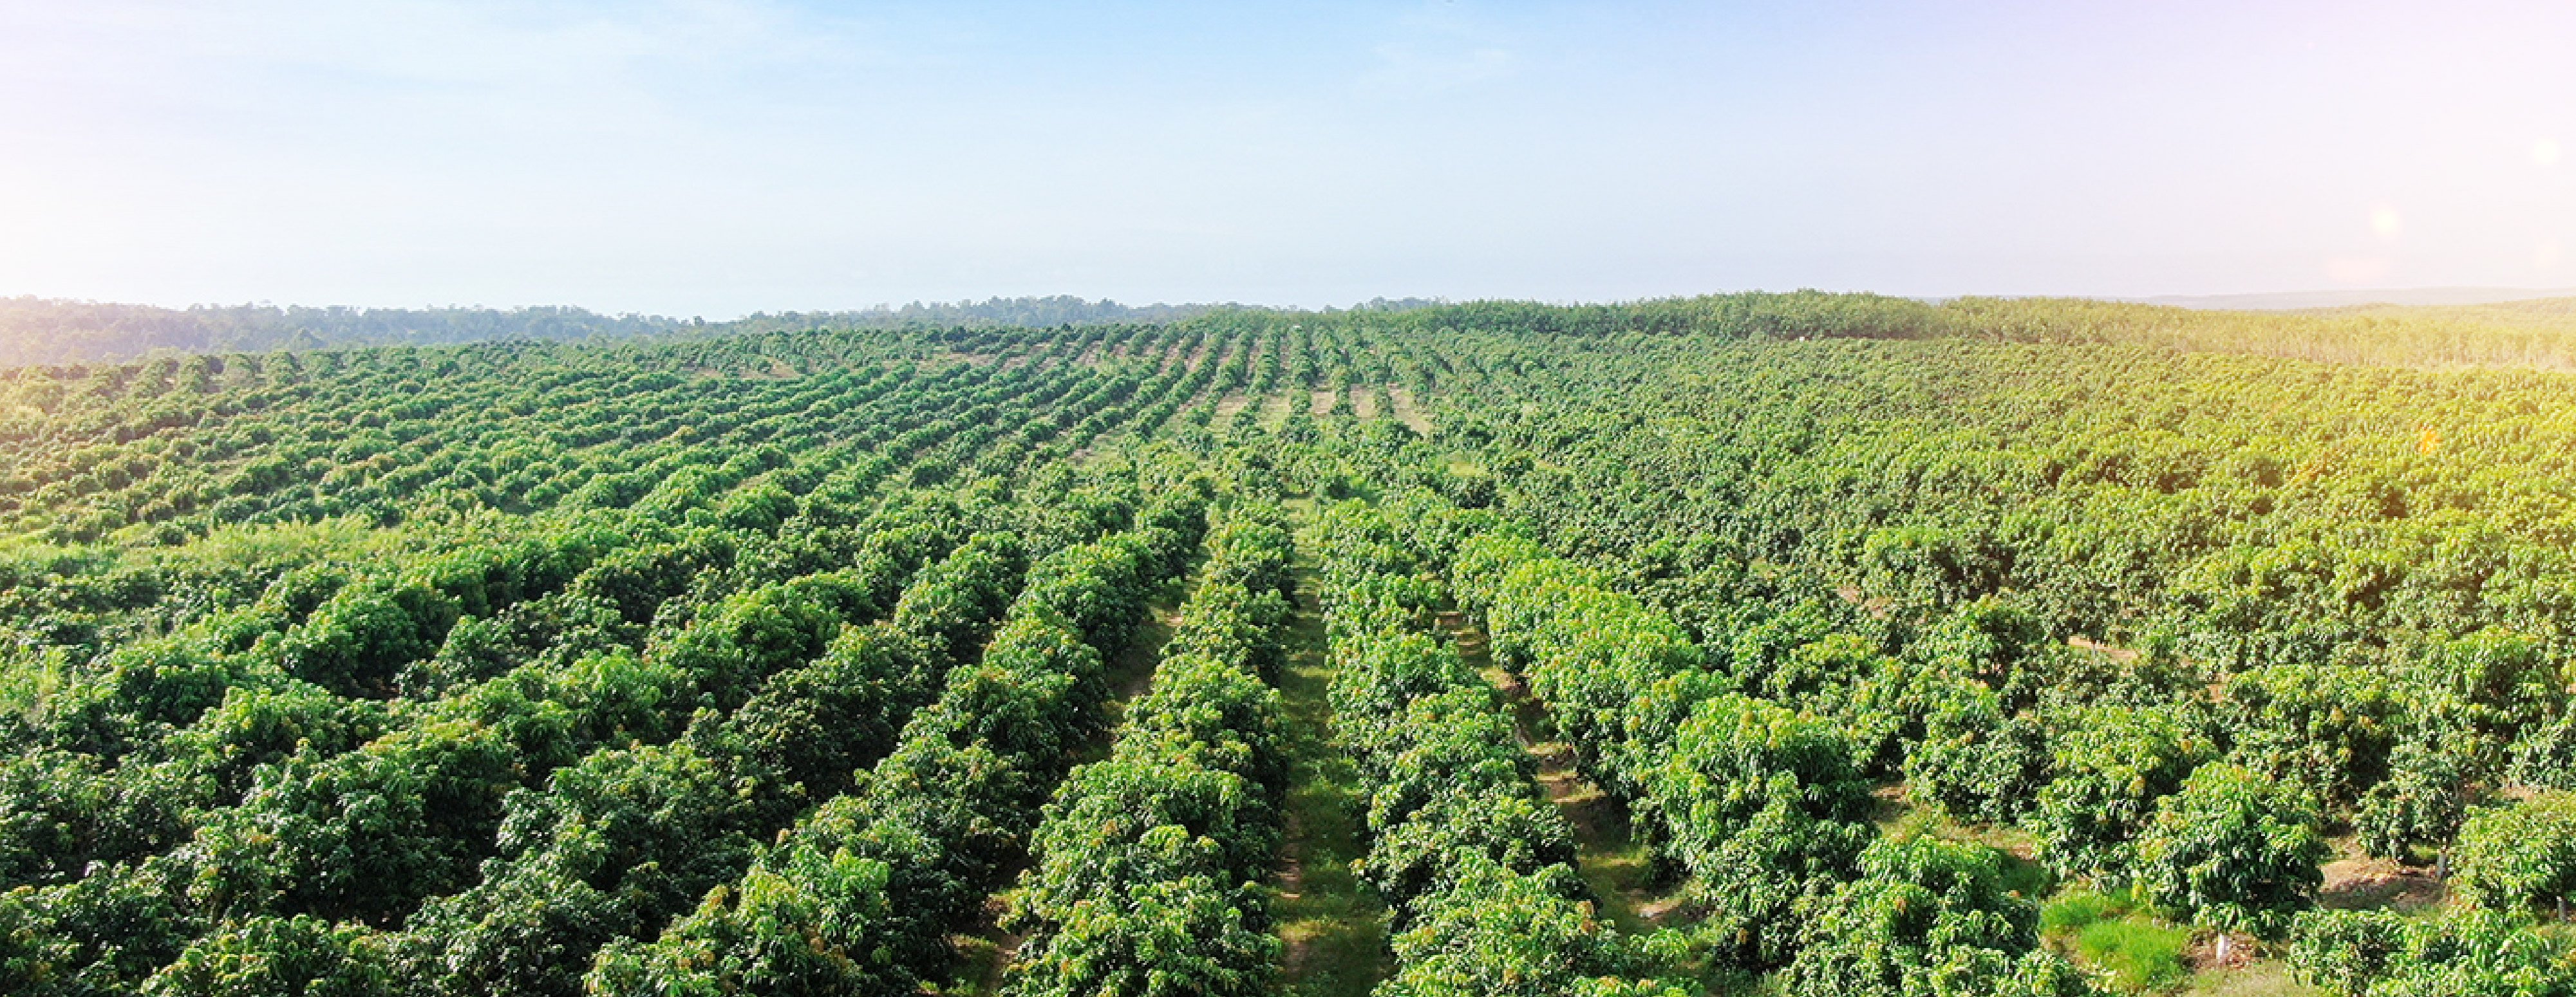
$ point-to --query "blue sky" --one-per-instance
(720, 157)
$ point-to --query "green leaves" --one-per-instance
(2112, 765)
(1477, 865)
(357, 640)
(279, 957)
(2423, 801)
(807, 932)
(2370, 953)
(861, 894)
(2519, 855)
(2233, 847)
(1976, 762)
(1927, 917)
(813, 725)
(1763, 806)
(2325, 730)
(623, 840)
(1155, 937)
(1148, 862)
(362, 836)
(1496, 930)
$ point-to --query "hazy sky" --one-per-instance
(719, 157)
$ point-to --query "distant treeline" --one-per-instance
(43, 330)
(1748, 315)
(1031, 312)
(52, 331)
(2538, 333)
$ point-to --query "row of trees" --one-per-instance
(1477, 867)
(366, 834)
(1762, 804)
(861, 894)
(165, 450)
(628, 839)
(1147, 865)
(172, 727)
(406, 662)
(546, 774)
(2204, 787)
(1750, 765)
(2380, 656)
(137, 453)
(476, 766)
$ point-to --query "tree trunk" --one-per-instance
(2223, 939)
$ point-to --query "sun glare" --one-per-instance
(2386, 223)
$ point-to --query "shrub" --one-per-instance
(2235, 848)
(2519, 855)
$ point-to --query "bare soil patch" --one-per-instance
(2356, 882)
(2123, 654)
(1408, 410)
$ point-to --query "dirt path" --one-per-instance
(1408, 410)
(1335, 928)
(2355, 881)
(1607, 854)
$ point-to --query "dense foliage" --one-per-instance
(870, 661)
(1476, 865)
(1148, 863)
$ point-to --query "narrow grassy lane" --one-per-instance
(986, 952)
(1335, 928)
